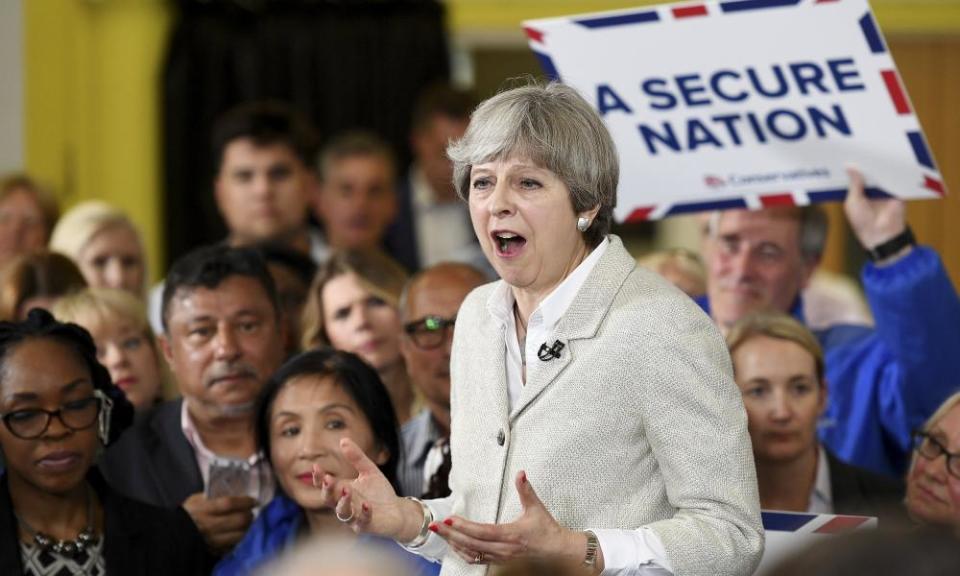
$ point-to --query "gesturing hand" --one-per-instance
(535, 533)
(368, 502)
(873, 221)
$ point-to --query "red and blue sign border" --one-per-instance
(874, 38)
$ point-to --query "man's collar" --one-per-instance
(796, 310)
(192, 434)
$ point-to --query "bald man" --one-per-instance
(428, 308)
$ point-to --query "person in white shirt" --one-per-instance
(778, 364)
(433, 223)
(223, 337)
(355, 202)
(595, 419)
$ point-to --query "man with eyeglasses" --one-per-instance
(428, 309)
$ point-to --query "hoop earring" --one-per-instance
(583, 223)
(103, 421)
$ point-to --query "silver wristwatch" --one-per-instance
(593, 546)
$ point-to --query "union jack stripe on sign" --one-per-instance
(742, 103)
(788, 533)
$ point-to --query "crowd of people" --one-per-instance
(455, 367)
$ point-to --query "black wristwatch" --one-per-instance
(892, 246)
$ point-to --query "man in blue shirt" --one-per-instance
(884, 381)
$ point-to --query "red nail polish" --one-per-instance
(343, 493)
(523, 477)
(364, 507)
(448, 521)
(433, 527)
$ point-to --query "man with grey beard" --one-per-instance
(222, 339)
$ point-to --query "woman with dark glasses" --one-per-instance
(57, 515)
(935, 466)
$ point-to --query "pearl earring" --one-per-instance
(583, 223)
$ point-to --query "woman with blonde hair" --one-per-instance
(353, 305)
(125, 345)
(934, 476)
(105, 245)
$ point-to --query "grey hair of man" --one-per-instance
(813, 230)
(456, 270)
(553, 127)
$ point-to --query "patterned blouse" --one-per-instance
(40, 562)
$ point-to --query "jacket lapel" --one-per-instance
(491, 343)
(581, 320)
(175, 465)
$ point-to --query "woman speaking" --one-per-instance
(594, 414)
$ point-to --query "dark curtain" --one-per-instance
(345, 64)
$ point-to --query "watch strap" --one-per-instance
(887, 249)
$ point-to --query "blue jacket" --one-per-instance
(884, 382)
(277, 528)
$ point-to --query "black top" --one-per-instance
(138, 538)
(859, 492)
(152, 461)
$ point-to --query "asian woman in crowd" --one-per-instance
(125, 345)
(778, 364)
(57, 514)
(353, 305)
(309, 405)
(28, 213)
(590, 398)
(36, 280)
(105, 245)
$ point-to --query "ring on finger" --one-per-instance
(478, 558)
(341, 518)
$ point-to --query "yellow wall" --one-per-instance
(92, 103)
(893, 15)
(93, 95)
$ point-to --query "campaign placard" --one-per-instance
(742, 104)
(789, 533)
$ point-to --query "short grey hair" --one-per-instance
(814, 227)
(555, 128)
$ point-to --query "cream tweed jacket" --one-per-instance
(639, 423)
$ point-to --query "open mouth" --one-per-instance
(508, 243)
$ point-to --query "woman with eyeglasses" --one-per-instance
(57, 515)
(935, 468)
(353, 306)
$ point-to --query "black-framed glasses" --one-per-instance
(931, 449)
(430, 331)
(32, 423)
